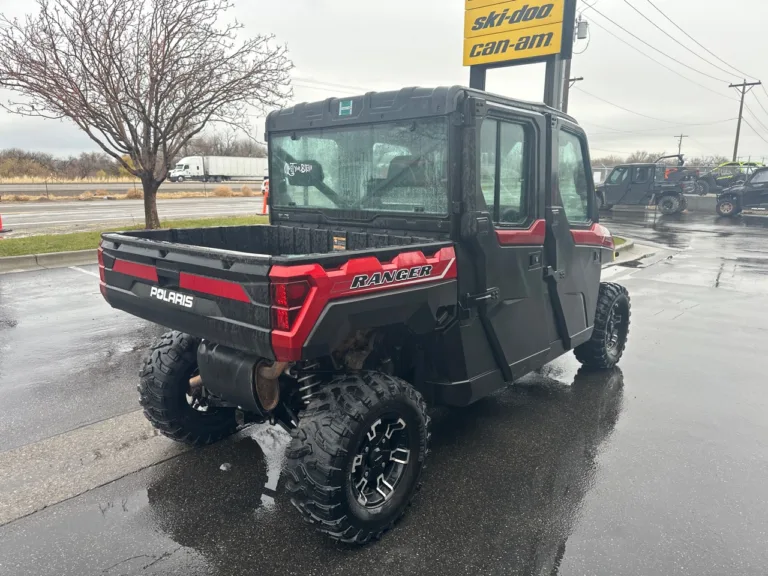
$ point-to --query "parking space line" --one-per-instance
(85, 271)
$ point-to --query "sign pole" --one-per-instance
(477, 77)
(553, 82)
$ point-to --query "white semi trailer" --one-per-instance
(218, 169)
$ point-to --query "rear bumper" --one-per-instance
(205, 321)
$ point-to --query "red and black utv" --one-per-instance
(425, 247)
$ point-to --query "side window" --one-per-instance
(503, 170)
(488, 141)
(618, 176)
(511, 173)
(641, 174)
(572, 178)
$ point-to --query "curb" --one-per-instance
(628, 245)
(11, 264)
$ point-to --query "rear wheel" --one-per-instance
(609, 337)
(727, 207)
(355, 459)
(176, 410)
(702, 187)
(669, 204)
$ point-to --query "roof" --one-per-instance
(403, 104)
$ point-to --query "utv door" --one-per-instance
(640, 186)
(616, 186)
(758, 188)
(512, 299)
(574, 241)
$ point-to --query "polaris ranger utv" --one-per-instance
(425, 247)
(645, 185)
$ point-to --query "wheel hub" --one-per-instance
(380, 462)
(613, 328)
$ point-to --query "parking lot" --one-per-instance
(657, 467)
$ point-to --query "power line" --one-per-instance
(657, 129)
(331, 84)
(755, 117)
(758, 101)
(755, 131)
(659, 10)
(678, 41)
(704, 147)
(620, 39)
(621, 107)
(652, 47)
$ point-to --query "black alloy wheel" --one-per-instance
(380, 462)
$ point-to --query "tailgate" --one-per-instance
(220, 295)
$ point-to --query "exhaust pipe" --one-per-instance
(240, 378)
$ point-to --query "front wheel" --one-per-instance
(726, 207)
(669, 204)
(173, 408)
(355, 459)
(179, 179)
(609, 336)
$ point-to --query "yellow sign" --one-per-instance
(515, 45)
(515, 15)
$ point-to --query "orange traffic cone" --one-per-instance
(1, 226)
(264, 204)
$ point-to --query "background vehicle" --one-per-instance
(749, 195)
(683, 174)
(725, 175)
(645, 185)
(372, 293)
(217, 168)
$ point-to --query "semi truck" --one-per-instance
(218, 169)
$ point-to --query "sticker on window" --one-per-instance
(293, 168)
(345, 108)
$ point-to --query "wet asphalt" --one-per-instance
(658, 467)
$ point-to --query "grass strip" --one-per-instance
(48, 243)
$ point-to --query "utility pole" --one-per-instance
(680, 142)
(569, 82)
(744, 89)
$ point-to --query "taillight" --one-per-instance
(102, 280)
(605, 236)
(287, 300)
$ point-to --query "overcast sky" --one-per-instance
(344, 46)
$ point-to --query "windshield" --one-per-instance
(179, 166)
(392, 167)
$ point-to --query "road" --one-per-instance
(656, 468)
(117, 188)
(56, 217)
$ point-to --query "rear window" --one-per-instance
(389, 167)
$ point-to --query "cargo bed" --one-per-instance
(218, 283)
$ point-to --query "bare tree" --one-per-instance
(642, 156)
(140, 77)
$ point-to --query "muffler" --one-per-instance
(240, 378)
